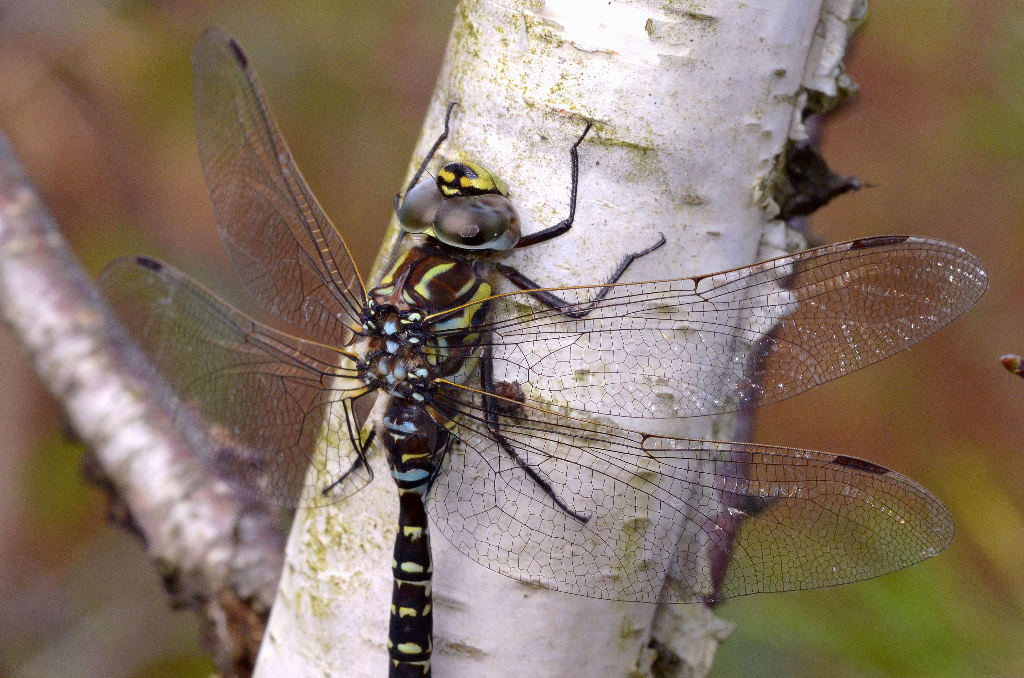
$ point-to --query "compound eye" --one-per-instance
(478, 222)
(419, 208)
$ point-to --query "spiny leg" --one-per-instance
(430, 155)
(416, 177)
(491, 419)
(555, 302)
(360, 446)
(564, 225)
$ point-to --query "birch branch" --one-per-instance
(693, 114)
(216, 556)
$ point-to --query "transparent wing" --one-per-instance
(254, 401)
(744, 337)
(672, 519)
(287, 252)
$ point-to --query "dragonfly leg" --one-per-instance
(360, 447)
(491, 419)
(565, 224)
(555, 302)
(430, 156)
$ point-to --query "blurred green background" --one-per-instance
(96, 98)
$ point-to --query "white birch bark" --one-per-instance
(693, 106)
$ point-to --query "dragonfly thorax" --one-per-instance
(421, 321)
(394, 359)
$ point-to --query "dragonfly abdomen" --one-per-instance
(413, 343)
(415, 445)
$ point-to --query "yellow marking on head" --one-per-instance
(454, 179)
(484, 181)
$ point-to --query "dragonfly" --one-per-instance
(498, 423)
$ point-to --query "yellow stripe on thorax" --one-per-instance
(464, 319)
(389, 277)
(423, 286)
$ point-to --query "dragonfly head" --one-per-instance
(466, 207)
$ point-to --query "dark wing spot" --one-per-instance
(879, 241)
(859, 464)
(151, 264)
(239, 54)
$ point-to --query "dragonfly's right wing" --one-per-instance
(287, 252)
(253, 401)
(664, 519)
(740, 338)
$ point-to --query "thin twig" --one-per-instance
(216, 554)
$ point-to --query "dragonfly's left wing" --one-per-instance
(287, 252)
(670, 519)
(745, 337)
(252, 401)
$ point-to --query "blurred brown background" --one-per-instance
(96, 98)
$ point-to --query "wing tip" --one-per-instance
(151, 264)
(859, 464)
(213, 38)
(239, 53)
(878, 241)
